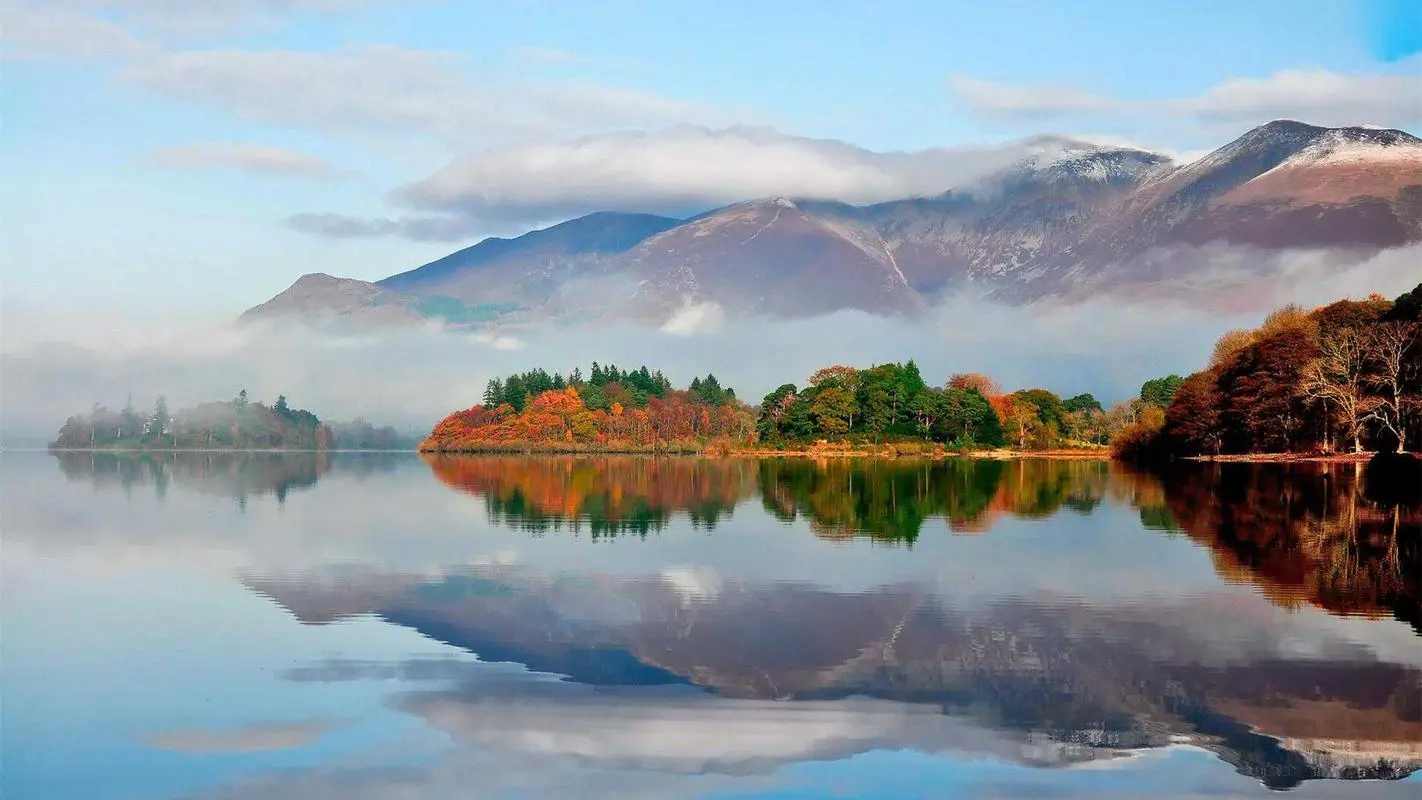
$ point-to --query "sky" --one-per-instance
(181, 158)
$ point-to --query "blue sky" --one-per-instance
(164, 155)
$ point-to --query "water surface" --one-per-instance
(376, 626)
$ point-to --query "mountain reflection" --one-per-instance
(236, 475)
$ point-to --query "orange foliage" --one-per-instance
(560, 419)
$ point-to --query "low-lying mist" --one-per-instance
(54, 364)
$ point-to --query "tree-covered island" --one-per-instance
(236, 424)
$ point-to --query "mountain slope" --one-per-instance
(529, 268)
(772, 257)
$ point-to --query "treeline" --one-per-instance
(359, 434)
(1345, 377)
(237, 424)
(615, 410)
(601, 388)
(609, 409)
(891, 402)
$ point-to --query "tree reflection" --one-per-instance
(891, 500)
(609, 496)
(228, 474)
(1304, 534)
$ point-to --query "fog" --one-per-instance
(54, 363)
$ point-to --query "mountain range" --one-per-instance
(1072, 220)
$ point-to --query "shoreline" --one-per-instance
(1286, 458)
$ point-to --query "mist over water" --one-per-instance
(55, 364)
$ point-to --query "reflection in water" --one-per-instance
(1267, 614)
(611, 495)
(1103, 677)
(891, 500)
(230, 474)
(1305, 534)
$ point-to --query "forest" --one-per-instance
(237, 424)
(1341, 378)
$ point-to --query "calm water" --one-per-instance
(380, 627)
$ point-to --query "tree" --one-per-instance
(281, 408)
(1082, 402)
(1389, 350)
(1192, 423)
(1160, 391)
(158, 423)
(832, 409)
(1230, 344)
(494, 393)
(1337, 380)
(973, 381)
(775, 411)
(1022, 420)
(241, 401)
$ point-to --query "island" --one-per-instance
(237, 424)
(882, 410)
(1337, 382)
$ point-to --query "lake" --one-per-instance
(379, 626)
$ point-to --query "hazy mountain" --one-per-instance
(1076, 219)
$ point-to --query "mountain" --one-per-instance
(528, 269)
(322, 297)
(1072, 220)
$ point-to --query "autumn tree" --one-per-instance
(1390, 351)
(973, 381)
(1337, 379)
(1192, 422)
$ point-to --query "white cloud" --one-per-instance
(1028, 100)
(687, 169)
(1312, 95)
(420, 229)
(387, 89)
(1316, 96)
(694, 318)
(32, 33)
(368, 86)
(196, 17)
(251, 157)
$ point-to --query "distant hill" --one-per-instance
(1076, 220)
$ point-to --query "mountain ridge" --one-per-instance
(1070, 219)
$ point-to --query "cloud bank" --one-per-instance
(688, 169)
(1313, 95)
